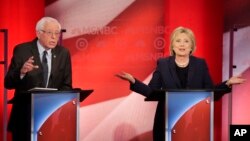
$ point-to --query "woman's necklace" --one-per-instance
(182, 64)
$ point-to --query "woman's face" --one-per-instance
(182, 45)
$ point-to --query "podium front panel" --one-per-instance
(54, 116)
(189, 116)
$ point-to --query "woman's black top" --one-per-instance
(183, 75)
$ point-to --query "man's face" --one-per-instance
(49, 35)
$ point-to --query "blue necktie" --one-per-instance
(45, 68)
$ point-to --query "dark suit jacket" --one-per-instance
(165, 77)
(60, 78)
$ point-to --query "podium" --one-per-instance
(189, 114)
(55, 114)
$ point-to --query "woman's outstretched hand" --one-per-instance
(126, 76)
(235, 80)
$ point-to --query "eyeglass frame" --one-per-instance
(49, 33)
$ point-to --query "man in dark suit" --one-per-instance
(39, 63)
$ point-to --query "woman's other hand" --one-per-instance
(126, 76)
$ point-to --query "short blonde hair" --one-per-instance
(188, 32)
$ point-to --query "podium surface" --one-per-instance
(189, 114)
(55, 115)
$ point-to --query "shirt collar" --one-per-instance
(41, 49)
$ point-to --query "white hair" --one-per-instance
(40, 24)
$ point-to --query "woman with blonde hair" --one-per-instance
(181, 70)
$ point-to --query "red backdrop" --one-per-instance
(205, 17)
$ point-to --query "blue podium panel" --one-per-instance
(54, 115)
(189, 116)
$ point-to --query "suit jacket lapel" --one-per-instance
(36, 54)
(37, 61)
(54, 62)
(191, 71)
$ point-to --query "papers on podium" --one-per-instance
(42, 89)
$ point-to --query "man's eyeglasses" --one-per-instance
(49, 33)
